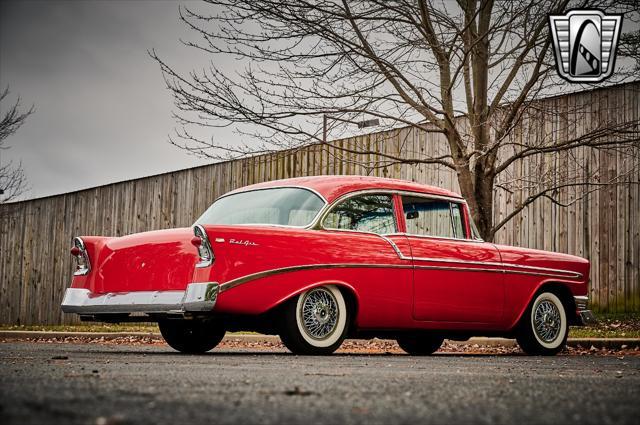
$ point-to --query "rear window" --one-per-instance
(289, 206)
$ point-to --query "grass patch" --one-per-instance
(610, 325)
(97, 327)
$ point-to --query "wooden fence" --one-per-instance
(602, 225)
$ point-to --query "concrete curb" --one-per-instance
(610, 343)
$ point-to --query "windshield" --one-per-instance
(289, 206)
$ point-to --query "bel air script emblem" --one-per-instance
(585, 43)
(241, 242)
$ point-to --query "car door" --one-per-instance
(456, 278)
(358, 226)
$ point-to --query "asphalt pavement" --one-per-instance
(126, 384)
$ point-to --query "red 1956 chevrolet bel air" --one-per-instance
(318, 259)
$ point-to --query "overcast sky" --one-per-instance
(102, 111)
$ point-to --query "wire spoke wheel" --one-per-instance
(543, 328)
(319, 313)
(547, 321)
(316, 321)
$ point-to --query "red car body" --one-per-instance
(395, 281)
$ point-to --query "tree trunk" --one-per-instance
(483, 192)
(477, 189)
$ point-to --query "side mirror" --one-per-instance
(412, 214)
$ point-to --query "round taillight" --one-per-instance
(75, 251)
(196, 241)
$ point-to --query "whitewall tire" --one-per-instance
(315, 322)
(543, 328)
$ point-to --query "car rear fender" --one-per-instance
(245, 299)
(347, 290)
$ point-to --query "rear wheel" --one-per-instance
(543, 328)
(191, 336)
(315, 322)
(420, 345)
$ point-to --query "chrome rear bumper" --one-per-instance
(198, 297)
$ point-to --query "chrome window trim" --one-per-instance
(306, 226)
(453, 225)
(472, 227)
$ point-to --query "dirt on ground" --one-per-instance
(373, 346)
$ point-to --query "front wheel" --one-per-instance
(543, 328)
(191, 336)
(315, 322)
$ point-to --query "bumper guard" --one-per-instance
(585, 316)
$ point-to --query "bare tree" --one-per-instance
(13, 181)
(417, 63)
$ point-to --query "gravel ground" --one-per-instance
(137, 382)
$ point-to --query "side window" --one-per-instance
(365, 213)
(433, 217)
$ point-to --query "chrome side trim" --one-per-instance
(411, 235)
(198, 297)
(395, 248)
(521, 269)
(282, 270)
(464, 269)
(250, 277)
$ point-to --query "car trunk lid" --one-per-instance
(160, 260)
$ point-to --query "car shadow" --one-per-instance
(285, 354)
